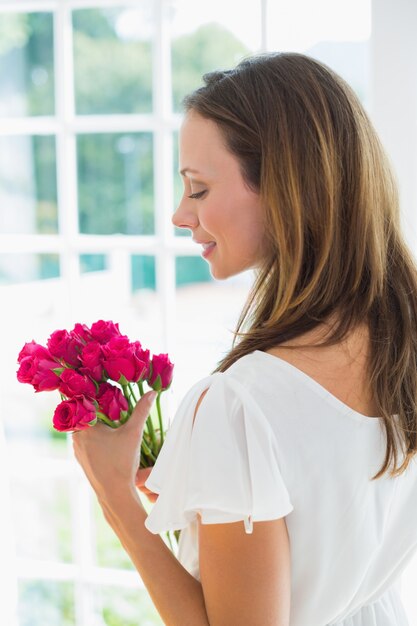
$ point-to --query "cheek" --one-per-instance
(251, 220)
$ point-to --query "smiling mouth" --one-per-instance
(208, 248)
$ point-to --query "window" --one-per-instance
(89, 117)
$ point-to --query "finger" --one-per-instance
(141, 410)
(142, 475)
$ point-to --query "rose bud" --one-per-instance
(92, 359)
(144, 357)
(74, 384)
(112, 402)
(39, 373)
(120, 361)
(78, 413)
(65, 346)
(82, 332)
(34, 349)
(103, 331)
(161, 372)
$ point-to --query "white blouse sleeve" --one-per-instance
(225, 467)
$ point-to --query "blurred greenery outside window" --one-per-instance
(113, 76)
(26, 48)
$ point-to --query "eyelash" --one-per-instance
(197, 195)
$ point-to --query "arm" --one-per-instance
(245, 579)
(109, 459)
(177, 596)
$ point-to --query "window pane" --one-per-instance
(208, 36)
(42, 517)
(28, 196)
(21, 268)
(113, 59)
(26, 64)
(115, 183)
(191, 269)
(46, 602)
(109, 552)
(93, 263)
(126, 607)
(335, 33)
(143, 272)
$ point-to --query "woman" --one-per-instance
(306, 430)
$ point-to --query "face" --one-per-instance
(217, 205)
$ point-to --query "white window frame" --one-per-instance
(65, 125)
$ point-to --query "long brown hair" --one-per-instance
(333, 242)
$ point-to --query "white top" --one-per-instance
(269, 442)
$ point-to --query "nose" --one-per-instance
(183, 217)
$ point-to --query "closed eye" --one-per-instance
(198, 194)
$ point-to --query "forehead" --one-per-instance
(201, 143)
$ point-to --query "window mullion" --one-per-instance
(163, 175)
(66, 158)
(70, 274)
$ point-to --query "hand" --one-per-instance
(110, 457)
(141, 477)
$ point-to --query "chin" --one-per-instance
(223, 274)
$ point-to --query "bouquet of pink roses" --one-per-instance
(98, 373)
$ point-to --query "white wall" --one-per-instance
(394, 97)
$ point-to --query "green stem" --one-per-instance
(169, 539)
(158, 408)
(149, 423)
(128, 398)
(132, 392)
(107, 421)
(147, 450)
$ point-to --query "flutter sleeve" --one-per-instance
(224, 467)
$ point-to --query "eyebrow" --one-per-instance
(188, 169)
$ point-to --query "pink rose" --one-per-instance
(103, 331)
(82, 331)
(161, 372)
(91, 357)
(120, 361)
(65, 346)
(144, 357)
(78, 413)
(38, 371)
(34, 349)
(75, 384)
(112, 402)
